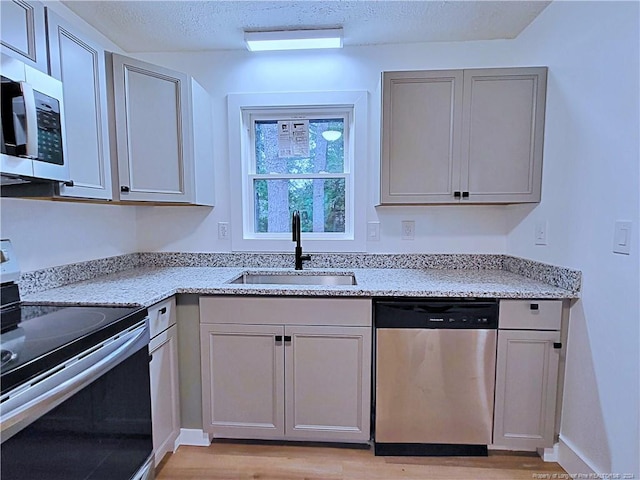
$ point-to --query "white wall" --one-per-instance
(441, 229)
(46, 233)
(591, 179)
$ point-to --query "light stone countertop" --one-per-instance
(148, 285)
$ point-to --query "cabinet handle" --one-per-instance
(278, 338)
(287, 338)
(557, 345)
(465, 194)
(124, 188)
(163, 310)
(68, 183)
(534, 306)
(456, 194)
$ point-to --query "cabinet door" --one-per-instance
(243, 381)
(503, 131)
(152, 107)
(328, 383)
(421, 120)
(165, 392)
(23, 33)
(526, 386)
(78, 62)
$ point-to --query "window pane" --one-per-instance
(324, 155)
(321, 203)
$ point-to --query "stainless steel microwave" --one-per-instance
(33, 128)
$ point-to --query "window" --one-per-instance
(297, 157)
(306, 168)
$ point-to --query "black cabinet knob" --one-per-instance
(557, 345)
(124, 188)
(287, 338)
(534, 306)
(456, 194)
(278, 338)
(163, 310)
(465, 194)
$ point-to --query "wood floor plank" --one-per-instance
(238, 461)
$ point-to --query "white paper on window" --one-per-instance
(293, 138)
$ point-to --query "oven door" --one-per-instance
(88, 420)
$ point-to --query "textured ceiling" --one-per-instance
(156, 26)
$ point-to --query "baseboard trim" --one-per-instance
(194, 437)
(571, 459)
(549, 454)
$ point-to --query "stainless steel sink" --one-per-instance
(289, 279)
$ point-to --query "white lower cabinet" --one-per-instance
(243, 381)
(272, 370)
(327, 372)
(527, 374)
(163, 369)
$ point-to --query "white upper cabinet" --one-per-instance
(163, 135)
(462, 136)
(22, 31)
(420, 152)
(502, 134)
(78, 62)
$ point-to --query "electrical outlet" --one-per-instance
(373, 231)
(541, 233)
(223, 230)
(408, 230)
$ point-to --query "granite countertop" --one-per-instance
(148, 285)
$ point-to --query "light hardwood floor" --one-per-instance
(293, 462)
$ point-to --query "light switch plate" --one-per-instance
(541, 233)
(622, 237)
(373, 231)
(408, 230)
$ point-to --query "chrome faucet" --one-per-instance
(295, 229)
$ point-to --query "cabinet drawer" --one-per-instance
(161, 338)
(530, 314)
(286, 310)
(161, 316)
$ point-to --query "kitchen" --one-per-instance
(591, 146)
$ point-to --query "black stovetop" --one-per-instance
(36, 338)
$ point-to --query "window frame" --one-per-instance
(243, 110)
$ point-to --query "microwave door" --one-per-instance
(15, 129)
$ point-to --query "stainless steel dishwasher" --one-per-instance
(435, 376)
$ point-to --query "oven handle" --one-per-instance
(41, 396)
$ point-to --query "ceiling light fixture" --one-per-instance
(331, 135)
(293, 39)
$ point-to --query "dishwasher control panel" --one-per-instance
(436, 313)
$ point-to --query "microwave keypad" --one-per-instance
(49, 129)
